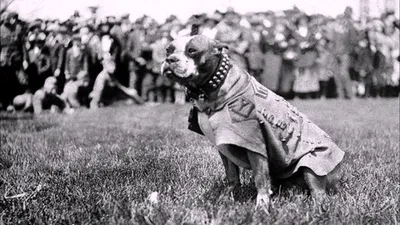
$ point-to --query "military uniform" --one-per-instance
(261, 121)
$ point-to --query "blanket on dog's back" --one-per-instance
(261, 121)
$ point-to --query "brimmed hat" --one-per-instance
(12, 15)
(35, 24)
(63, 28)
(216, 16)
(111, 19)
(125, 16)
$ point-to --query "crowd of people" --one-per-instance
(64, 65)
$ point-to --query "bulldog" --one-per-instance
(251, 126)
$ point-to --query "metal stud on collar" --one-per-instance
(216, 80)
(201, 97)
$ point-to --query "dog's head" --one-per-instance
(191, 59)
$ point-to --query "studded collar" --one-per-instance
(214, 82)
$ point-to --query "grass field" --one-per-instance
(99, 168)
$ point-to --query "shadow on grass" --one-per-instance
(24, 123)
(12, 117)
(282, 189)
(219, 192)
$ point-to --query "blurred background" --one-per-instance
(64, 55)
(160, 10)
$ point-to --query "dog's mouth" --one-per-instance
(178, 74)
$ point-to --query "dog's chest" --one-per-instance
(205, 126)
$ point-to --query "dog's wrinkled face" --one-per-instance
(188, 58)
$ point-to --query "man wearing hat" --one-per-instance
(344, 40)
(131, 51)
(92, 49)
(53, 42)
(76, 70)
(254, 55)
(39, 64)
(232, 33)
(63, 37)
(76, 60)
(120, 39)
(11, 59)
(210, 27)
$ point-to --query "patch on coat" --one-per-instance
(241, 109)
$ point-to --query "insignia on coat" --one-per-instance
(260, 90)
(241, 110)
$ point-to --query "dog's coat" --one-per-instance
(251, 126)
(261, 121)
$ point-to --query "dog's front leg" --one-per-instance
(231, 171)
(259, 166)
(316, 184)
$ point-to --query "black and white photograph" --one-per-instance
(189, 112)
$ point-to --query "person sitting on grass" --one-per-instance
(23, 102)
(47, 98)
(43, 99)
(106, 87)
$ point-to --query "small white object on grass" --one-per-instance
(153, 198)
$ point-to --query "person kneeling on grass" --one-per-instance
(43, 99)
(106, 87)
(47, 98)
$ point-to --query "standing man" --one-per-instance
(11, 59)
(76, 75)
(131, 50)
(232, 33)
(344, 39)
(93, 52)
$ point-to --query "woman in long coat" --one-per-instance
(272, 59)
(306, 83)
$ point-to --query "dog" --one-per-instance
(251, 126)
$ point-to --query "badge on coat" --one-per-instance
(241, 109)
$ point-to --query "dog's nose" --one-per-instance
(172, 59)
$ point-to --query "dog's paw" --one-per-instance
(263, 202)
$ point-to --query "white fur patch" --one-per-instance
(185, 67)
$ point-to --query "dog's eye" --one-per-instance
(191, 50)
